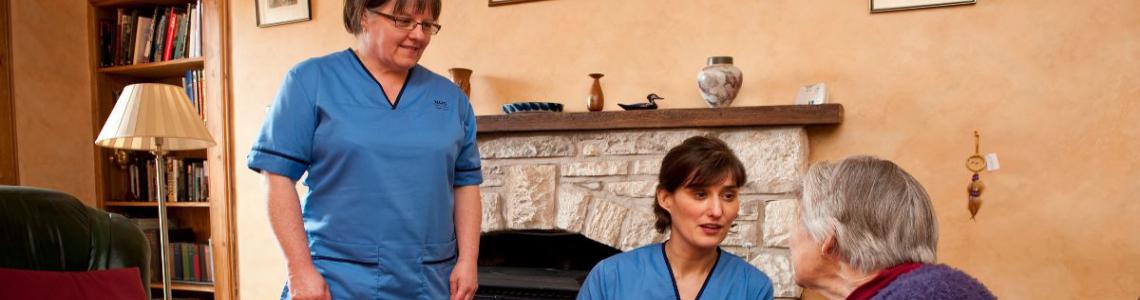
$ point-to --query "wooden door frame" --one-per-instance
(9, 162)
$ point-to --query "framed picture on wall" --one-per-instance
(505, 2)
(878, 6)
(277, 12)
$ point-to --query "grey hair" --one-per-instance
(879, 215)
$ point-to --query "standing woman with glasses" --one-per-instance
(392, 209)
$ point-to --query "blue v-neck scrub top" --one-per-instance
(644, 273)
(379, 211)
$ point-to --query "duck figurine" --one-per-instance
(643, 106)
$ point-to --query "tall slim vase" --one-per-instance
(596, 101)
(462, 78)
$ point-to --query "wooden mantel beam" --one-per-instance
(778, 115)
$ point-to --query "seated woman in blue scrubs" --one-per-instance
(697, 201)
(392, 209)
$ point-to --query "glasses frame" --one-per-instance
(427, 27)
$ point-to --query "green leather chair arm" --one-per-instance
(52, 231)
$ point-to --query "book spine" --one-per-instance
(142, 35)
(168, 50)
(120, 34)
(196, 261)
(129, 39)
(179, 36)
(202, 91)
(159, 34)
(106, 43)
(155, 16)
(210, 260)
(176, 261)
(187, 261)
(195, 30)
(184, 34)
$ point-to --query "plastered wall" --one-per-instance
(1052, 85)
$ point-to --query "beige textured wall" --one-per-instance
(1051, 84)
(52, 91)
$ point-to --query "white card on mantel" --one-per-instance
(812, 94)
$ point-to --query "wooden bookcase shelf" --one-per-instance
(190, 287)
(135, 3)
(208, 225)
(171, 68)
(154, 204)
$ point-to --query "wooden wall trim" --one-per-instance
(222, 216)
(9, 156)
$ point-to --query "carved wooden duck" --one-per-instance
(640, 106)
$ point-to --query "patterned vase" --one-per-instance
(719, 81)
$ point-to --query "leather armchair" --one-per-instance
(48, 230)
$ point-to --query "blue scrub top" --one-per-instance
(644, 273)
(379, 211)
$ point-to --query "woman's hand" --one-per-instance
(307, 284)
(464, 280)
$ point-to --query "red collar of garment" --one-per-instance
(885, 277)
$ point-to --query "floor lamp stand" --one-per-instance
(163, 228)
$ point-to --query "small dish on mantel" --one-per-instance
(511, 108)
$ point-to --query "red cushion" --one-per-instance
(104, 284)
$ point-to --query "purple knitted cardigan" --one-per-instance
(934, 281)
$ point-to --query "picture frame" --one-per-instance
(878, 6)
(507, 2)
(278, 12)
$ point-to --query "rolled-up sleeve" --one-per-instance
(468, 169)
(284, 144)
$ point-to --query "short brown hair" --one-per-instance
(354, 9)
(698, 161)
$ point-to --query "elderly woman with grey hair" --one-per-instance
(865, 229)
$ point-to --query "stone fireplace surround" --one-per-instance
(595, 174)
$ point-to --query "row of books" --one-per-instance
(150, 34)
(187, 180)
(189, 261)
(195, 84)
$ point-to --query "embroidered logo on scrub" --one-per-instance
(440, 105)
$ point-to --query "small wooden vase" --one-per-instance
(596, 100)
(462, 78)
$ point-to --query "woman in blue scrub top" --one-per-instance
(697, 201)
(392, 209)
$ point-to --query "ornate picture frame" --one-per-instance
(277, 12)
(507, 2)
(878, 6)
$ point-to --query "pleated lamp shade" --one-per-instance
(146, 112)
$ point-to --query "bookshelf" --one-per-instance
(182, 286)
(163, 69)
(203, 215)
(152, 204)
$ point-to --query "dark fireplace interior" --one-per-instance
(536, 264)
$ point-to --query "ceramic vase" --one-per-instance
(719, 82)
(462, 78)
(596, 100)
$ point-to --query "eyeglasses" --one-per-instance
(408, 24)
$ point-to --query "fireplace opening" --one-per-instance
(536, 264)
